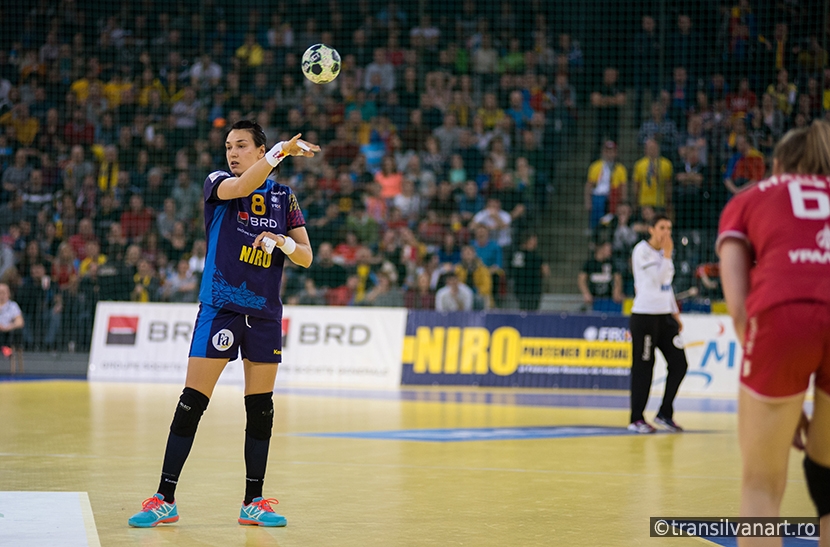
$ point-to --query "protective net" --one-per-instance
(518, 147)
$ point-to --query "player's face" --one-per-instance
(241, 152)
(660, 232)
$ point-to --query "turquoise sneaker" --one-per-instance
(259, 513)
(154, 511)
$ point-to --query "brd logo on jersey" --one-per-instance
(242, 217)
(222, 340)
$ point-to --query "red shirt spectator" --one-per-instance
(743, 100)
(86, 233)
(137, 220)
(79, 130)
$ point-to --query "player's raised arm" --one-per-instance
(252, 164)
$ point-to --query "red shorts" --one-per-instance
(784, 346)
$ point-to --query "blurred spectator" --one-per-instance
(759, 134)
(454, 296)
(364, 269)
(528, 270)
(310, 295)
(695, 137)
(11, 322)
(146, 284)
(600, 282)
(772, 116)
(326, 273)
(137, 220)
(679, 97)
(388, 178)
(783, 92)
(745, 167)
(487, 249)
(86, 234)
(472, 272)
(15, 176)
(448, 135)
(606, 185)
(652, 177)
(25, 126)
(181, 287)
(41, 305)
(690, 191)
(686, 48)
(645, 65)
(496, 220)
(743, 100)
(420, 296)
(608, 101)
(386, 293)
(659, 128)
(379, 74)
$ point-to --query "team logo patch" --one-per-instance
(242, 217)
(222, 340)
(122, 330)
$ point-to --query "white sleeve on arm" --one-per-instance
(654, 267)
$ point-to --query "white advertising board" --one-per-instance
(714, 357)
(322, 346)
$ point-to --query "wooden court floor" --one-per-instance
(387, 490)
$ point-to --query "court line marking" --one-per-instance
(89, 520)
(404, 466)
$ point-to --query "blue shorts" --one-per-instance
(221, 333)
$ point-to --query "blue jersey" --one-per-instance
(238, 277)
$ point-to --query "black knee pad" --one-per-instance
(192, 405)
(260, 411)
(818, 483)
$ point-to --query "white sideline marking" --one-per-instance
(46, 519)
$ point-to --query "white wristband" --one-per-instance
(288, 246)
(275, 155)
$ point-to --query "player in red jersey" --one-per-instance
(774, 247)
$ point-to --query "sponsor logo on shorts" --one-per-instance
(122, 330)
(222, 340)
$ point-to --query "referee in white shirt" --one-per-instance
(655, 323)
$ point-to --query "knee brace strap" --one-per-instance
(192, 405)
(260, 411)
(818, 483)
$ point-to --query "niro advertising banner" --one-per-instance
(322, 346)
(517, 350)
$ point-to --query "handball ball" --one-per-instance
(321, 64)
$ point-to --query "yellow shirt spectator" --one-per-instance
(87, 262)
(652, 179)
(250, 52)
(25, 126)
(80, 88)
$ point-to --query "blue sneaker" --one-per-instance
(259, 513)
(154, 511)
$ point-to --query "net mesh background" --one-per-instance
(522, 146)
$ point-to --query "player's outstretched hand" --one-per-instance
(298, 147)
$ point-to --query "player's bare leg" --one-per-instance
(259, 377)
(818, 447)
(765, 434)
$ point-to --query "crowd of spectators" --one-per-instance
(442, 139)
(705, 133)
